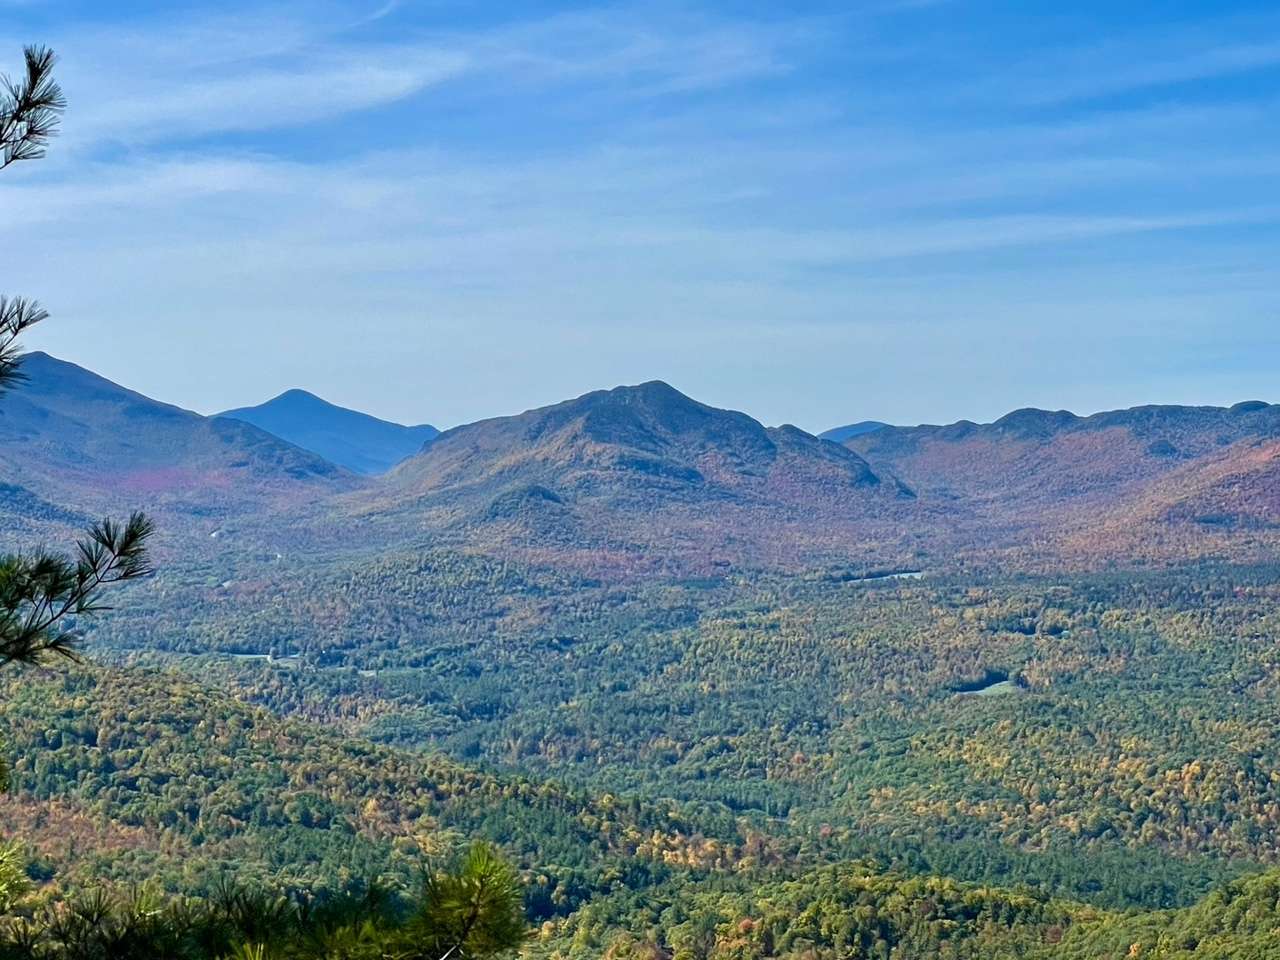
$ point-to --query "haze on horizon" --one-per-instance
(901, 210)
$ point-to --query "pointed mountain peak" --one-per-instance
(655, 394)
(654, 390)
(298, 395)
(352, 439)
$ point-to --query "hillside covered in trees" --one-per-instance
(859, 749)
(632, 676)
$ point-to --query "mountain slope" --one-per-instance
(197, 780)
(1023, 449)
(348, 438)
(1226, 504)
(71, 442)
(1038, 473)
(851, 430)
(642, 467)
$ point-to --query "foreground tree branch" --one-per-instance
(30, 108)
(41, 594)
(17, 314)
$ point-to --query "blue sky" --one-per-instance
(817, 213)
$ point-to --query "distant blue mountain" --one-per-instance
(848, 432)
(348, 438)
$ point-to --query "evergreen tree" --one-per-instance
(474, 910)
(42, 593)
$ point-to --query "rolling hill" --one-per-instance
(197, 782)
(351, 439)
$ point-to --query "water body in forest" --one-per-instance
(885, 575)
(993, 683)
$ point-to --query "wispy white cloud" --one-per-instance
(327, 85)
(613, 46)
(148, 84)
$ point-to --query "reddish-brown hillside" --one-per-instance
(1145, 483)
(646, 475)
(1226, 504)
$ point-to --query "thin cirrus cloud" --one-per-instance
(325, 87)
(154, 107)
(691, 53)
(188, 81)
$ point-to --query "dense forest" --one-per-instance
(1049, 765)
(1124, 712)
(237, 823)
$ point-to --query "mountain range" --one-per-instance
(645, 478)
(1140, 483)
(1036, 653)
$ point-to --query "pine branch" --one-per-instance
(39, 593)
(30, 108)
(17, 314)
(474, 909)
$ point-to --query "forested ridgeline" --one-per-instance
(134, 775)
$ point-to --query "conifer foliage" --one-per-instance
(42, 593)
(30, 108)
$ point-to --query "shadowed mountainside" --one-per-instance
(351, 439)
